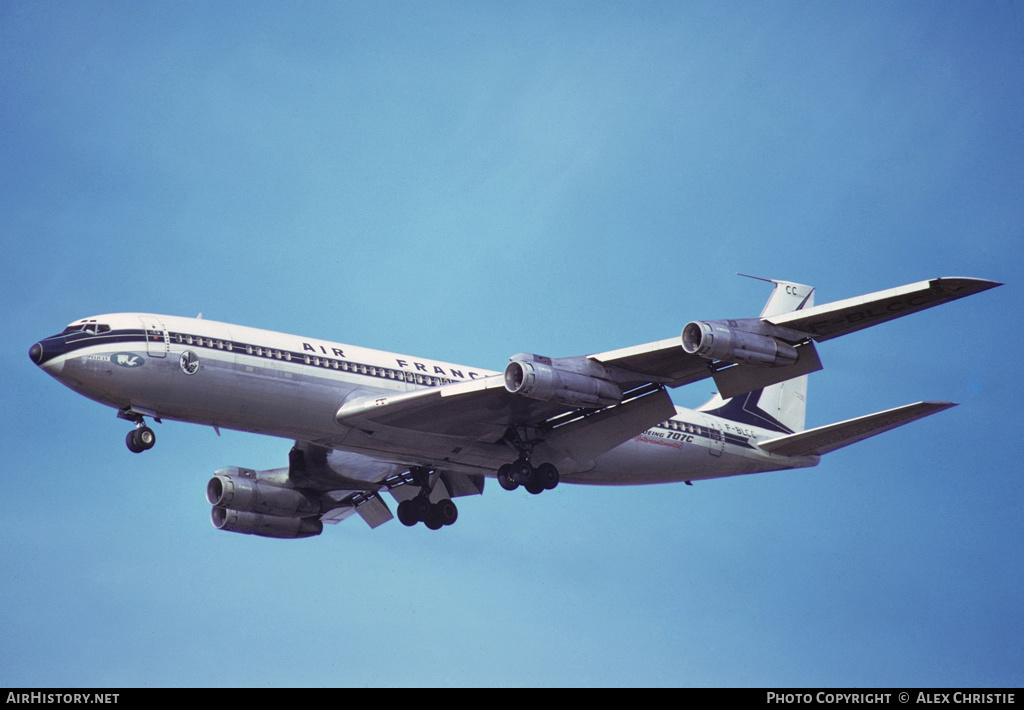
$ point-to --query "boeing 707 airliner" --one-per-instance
(367, 422)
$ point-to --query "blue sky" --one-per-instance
(469, 180)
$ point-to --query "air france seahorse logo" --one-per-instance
(189, 362)
(127, 360)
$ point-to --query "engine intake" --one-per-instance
(715, 340)
(538, 380)
(240, 493)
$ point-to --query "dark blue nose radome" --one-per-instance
(47, 349)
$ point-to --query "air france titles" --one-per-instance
(836, 698)
(420, 367)
(435, 370)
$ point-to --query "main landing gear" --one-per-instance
(419, 509)
(434, 515)
(522, 472)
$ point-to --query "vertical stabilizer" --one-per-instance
(781, 407)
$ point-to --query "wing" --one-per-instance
(841, 317)
(485, 410)
(557, 400)
(747, 354)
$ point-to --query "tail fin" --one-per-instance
(781, 407)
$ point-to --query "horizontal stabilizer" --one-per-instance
(822, 440)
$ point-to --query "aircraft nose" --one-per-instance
(43, 352)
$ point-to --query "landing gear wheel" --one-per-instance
(546, 476)
(141, 439)
(421, 507)
(505, 479)
(433, 521)
(446, 511)
(145, 437)
(406, 514)
(130, 442)
(522, 472)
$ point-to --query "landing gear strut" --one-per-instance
(521, 472)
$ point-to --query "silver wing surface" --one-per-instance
(569, 394)
(852, 314)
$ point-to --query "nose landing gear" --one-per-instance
(141, 438)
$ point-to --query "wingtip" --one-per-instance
(975, 285)
(938, 406)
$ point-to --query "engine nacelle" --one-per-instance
(238, 492)
(538, 380)
(265, 525)
(715, 340)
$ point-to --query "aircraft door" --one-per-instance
(716, 445)
(158, 341)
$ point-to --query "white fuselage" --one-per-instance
(235, 377)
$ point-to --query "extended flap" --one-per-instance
(373, 510)
(591, 436)
(739, 379)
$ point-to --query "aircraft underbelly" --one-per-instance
(644, 459)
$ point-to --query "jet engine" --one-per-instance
(717, 340)
(258, 503)
(539, 380)
(237, 492)
(265, 525)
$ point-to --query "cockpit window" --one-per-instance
(90, 327)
